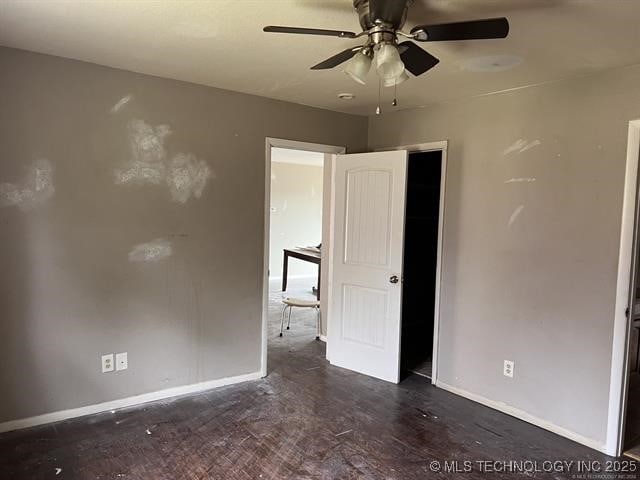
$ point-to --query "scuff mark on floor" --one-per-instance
(489, 430)
(343, 433)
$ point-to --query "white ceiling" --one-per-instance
(221, 43)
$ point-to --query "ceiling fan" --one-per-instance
(381, 22)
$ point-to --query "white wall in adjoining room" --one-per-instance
(296, 208)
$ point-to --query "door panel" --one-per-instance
(368, 203)
(368, 238)
(364, 311)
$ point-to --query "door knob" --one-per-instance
(393, 279)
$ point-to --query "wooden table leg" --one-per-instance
(285, 267)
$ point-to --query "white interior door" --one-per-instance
(366, 263)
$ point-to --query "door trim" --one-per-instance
(624, 298)
(441, 146)
(328, 150)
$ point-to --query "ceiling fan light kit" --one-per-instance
(358, 67)
(388, 63)
(381, 22)
(396, 81)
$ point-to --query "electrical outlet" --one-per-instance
(121, 361)
(107, 363)
(509, 365)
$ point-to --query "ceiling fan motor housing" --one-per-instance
(387, 10)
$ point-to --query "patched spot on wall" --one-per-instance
(152, 251)
(514, 216)
(521, 180)
(521, 146)
(148, 154)
(120, 104)
(185, 175)
(36, 189)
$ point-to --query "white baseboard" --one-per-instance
(522, 415)
(125, 402)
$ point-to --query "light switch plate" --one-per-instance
(122, 362)
(107, 363)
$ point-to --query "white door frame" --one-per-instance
(624, 297)
(434, 147)
(328, 150)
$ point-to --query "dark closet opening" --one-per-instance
(631, 443)
(420, 259)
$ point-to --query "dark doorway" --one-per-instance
(631, 444)
(420, 261)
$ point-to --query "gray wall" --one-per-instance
(71, 287)
(529, 267)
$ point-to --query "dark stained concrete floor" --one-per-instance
(306, 420)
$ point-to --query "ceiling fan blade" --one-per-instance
(415, 59)
(309, 31)
(472, 30)
(389, 11)
(336, 59)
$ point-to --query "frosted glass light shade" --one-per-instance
(396, 81)
(388, 62)
(358, 67)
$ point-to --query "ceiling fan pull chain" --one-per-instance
(378, 109)
(395, 94)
